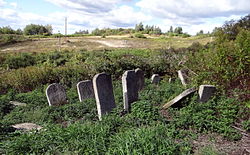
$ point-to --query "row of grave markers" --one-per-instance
(101, 89)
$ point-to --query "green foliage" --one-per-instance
(9, 30)
(33, 29)
(215, 115)
(20, 60)
(139, 35)
(11, 38)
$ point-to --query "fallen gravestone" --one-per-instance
(27, 126)
(155, 79)
(103, 90)
(206, 92)
(140, 78)
(56, 95)
(130, 88)
(178, 98)
(16, 103)
(85, 90)
(183, 75)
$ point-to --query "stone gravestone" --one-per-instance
(183, 75)
(180, 97)
(130, 88)
(206, 92)
(56, 95)
(85, 90)
(140, 78)
(103, 90)
(155, 79)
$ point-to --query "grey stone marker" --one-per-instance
(140, 78)
(85, 90)
(206, 92)
(183, 75)
(56, 95)
(103, 90)
(155, 79)
(130, 88)
(179, 97)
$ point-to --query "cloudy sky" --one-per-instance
(191, 15)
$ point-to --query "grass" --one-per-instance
(91, 43)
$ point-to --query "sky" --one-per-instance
(191, 15)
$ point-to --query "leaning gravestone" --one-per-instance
(178, 98)
(140, 78)
(56, 95)
(85, 90)
(155, 79)
(206, 92)
(183, 75)
(130, 88)
(103, 90)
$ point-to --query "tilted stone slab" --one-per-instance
(56, 95)
(130, 88)
(183, 75)
(140, 78)
(178, 98)
(155, 79)
(85, 90)
(206, 92)
(103, 90)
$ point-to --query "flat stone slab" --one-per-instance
(206, 92)
(27, 126)
(56, 95)
(140, 78)
(130, 88)
(104, 95)
(85, 90)
(16, 103)
(155, 79)
(178, 98)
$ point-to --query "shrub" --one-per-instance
(139, 35)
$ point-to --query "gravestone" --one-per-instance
(206, 92)
(155, 79)
(140, 78)
(56, 95)
(130, 88)
(103, 90)
(85, 90)
(183, 75)
(180, 97)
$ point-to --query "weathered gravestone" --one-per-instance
(56, 95)
(85, 90)
(140, 78)
(103, 90)
(155, 79)
(183, 75)
(206, 92)
(180, 97)
(130, 88)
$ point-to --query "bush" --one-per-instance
(139, 35)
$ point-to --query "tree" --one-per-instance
(33, 29)
(200, 32)
(178, 30)
(139, 27)
(171, 29)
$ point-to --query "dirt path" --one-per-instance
(113, 43)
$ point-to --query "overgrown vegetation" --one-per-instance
(74, 128)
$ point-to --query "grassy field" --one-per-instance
(91, 43)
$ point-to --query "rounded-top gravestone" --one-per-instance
(85, 90)
(56, 95)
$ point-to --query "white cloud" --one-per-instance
(2, 3)
(14, 5)
(194, 8)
